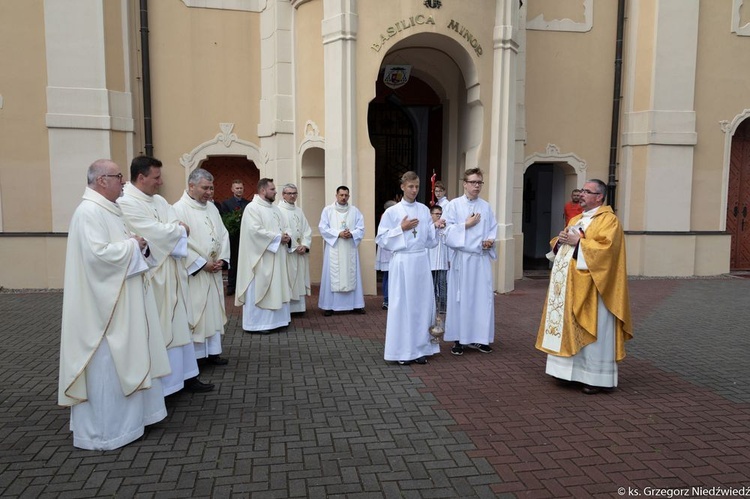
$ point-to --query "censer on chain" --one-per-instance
(437, 329)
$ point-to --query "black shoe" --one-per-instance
(421, 360)
(385, 306)
(591, 390)
(404, 362)
(327, 313)
(194, 385)
(217, 360)
(360, 311)
(230, 291)
(480, 347)
(458, 349)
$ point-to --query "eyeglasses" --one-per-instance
(119, 176)
(474, 182)
(290, 193)
(586, 191)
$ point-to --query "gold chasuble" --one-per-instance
(569, 319)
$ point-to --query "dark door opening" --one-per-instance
(406, 130)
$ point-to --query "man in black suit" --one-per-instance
(235, 203)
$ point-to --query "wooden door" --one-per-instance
(738, 198)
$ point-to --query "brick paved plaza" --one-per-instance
(316, 412)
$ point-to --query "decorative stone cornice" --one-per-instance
(552, 154)
(224, 143)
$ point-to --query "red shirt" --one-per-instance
(572, 209)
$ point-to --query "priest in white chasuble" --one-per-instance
(586, 319)
(111, 356)
(342, 227)
(149, 215)
(262, 281)
(470, 231)
(298, 258)
(407, 231)
(208, 255)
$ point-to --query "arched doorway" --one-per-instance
(738, 198)
(545, 192)
(406, 131)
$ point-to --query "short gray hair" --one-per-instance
(96, 170)
(199, 174)
(288, 186)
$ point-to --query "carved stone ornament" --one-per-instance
(224, 143)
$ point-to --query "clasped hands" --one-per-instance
(571, 238)
(214, 267)
(345, 234)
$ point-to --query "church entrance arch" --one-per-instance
(427, 119)
(406, 131)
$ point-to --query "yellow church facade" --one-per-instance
(650, 96)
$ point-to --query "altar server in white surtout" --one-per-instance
(342, 227)
(208, 255)
(470, 231)
(110, 354)
(298, 259)
(262, 281)
(407, 230)
(148, 214)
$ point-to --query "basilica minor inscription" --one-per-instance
(421, 19)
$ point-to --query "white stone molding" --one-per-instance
(743, 30)
(729, 128)
(503, 108)
(1, 101)
(339, 32)
(541, 24)
(312, 139)
(666, 127)
(242, 5)
(553, 155)
(225, 143)
(89, 108)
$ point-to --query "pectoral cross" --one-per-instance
(414, 231)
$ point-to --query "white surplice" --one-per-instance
(470, 314)
(341, 279)
(208, 242)
(110, 354)
(411, 310)
(155, 220)
(298, 265)
(262, 281)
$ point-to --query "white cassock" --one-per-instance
(156, 221)
(470, 314)
(110, 353)
(298, 265)
(411, 310)
(341, 280)
(442, 202)
(208, 241)
(262, 282)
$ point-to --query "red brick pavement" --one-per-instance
(547, 440)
